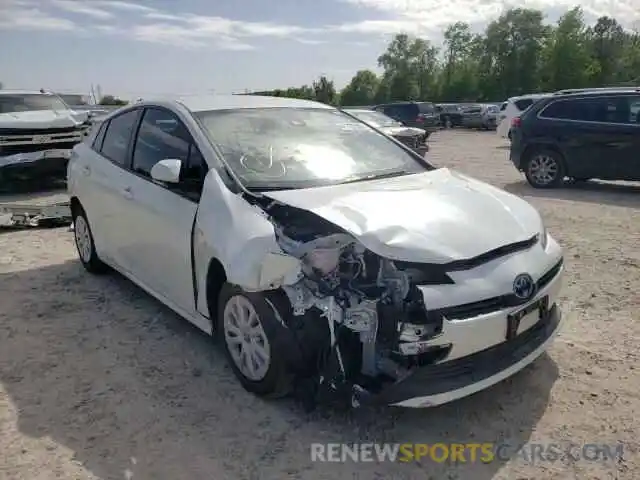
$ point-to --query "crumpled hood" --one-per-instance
(402, 131)
(42, 119)
(432, 217)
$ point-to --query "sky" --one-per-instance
(133, 48)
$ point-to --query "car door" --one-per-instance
(104, 186)
(590, 134)
(629, 163)
(160, 217)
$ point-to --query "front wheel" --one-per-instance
(251, 333)
(545, 169)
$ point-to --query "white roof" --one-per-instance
(4, 91)
(224, 102)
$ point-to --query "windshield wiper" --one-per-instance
(376, 176)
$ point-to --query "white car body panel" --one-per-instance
(434, 217)
(506, 116)
(146, 231)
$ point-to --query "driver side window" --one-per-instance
(163, 136)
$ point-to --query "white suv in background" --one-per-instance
(513, 107)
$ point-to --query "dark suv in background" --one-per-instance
(580, 134)
(412, 114)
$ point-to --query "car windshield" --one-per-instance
(289, 148)
(30, 102)
(377, 119)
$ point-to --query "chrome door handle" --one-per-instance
(127, 193)
(86, 170)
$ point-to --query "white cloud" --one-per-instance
(144, 22)
(197, 30)
(81, 8)
(121, 5)
(23, 15)
(420, 16)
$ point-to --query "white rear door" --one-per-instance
(103, 182)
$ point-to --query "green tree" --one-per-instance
(325, 91)
(410, 66)
(111, 100)
(361, 90)
(566, 59)
(460, 68)
(517, 53)
(607, 43)
(512, 47)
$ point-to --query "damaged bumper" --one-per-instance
(444, 382)
(31, 157)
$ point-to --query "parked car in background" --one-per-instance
(412, 137)
(581, 135)
(480, 116)
(513, 107)
(412, 114)
(450, 115)
(330, 260)
(37, 132)
(83, 103)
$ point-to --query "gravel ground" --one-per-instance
(98, 380)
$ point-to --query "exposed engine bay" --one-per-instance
(358, 321)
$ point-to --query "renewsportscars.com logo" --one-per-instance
(465, 452)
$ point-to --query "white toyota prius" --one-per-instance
(332, 261)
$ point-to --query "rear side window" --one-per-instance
(523, 103)
(97, 142)
(503, 106)
(595, 109)
(634, 110)
(427, 108)
(118, 134)
(402, 112)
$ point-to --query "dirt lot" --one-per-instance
(97, 380)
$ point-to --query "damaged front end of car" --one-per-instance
(356, 322)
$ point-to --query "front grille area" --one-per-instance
(35, 131)
(494, 304)
(470, 263)
(6, 150)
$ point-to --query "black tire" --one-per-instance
(278, 380)
(551, 158)
(447, 122)
(90, 261)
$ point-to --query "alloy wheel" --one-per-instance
(83, 238)
(245, 338)
(543, 169)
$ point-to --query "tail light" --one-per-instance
(516, 122)
(420, 118)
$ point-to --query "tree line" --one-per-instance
(518, 53)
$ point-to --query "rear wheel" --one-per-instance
(447, 122)
(545, 168)
(251, 333)
(84, 242)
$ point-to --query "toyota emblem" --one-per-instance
(524, 286)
